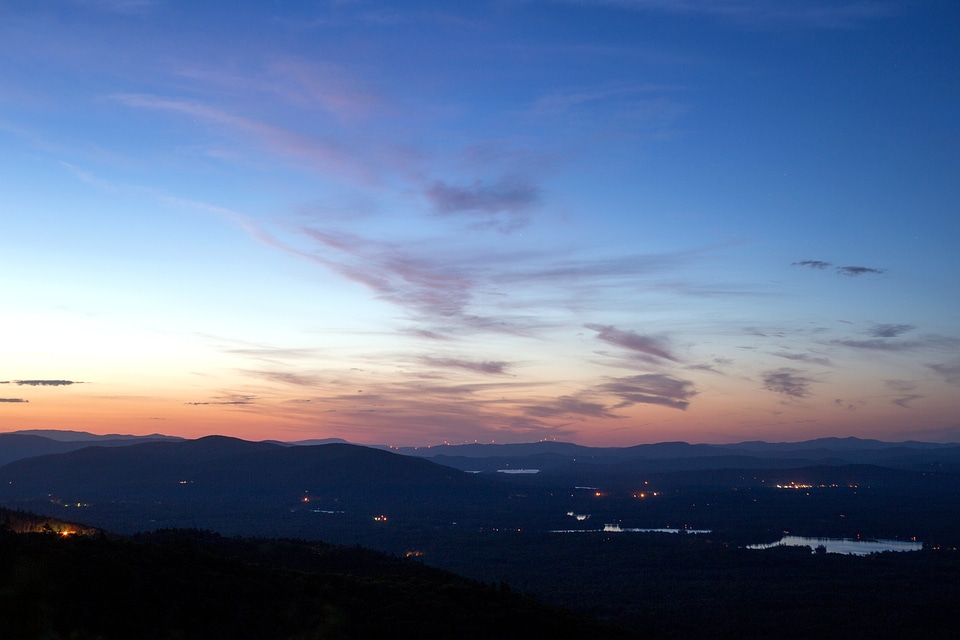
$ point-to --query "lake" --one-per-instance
(846, 546)
(615, 528)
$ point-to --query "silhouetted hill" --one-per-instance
(241, 487)
(218, 465)
(316, 441)
(27, 444)
(15, 446)
(192, 584)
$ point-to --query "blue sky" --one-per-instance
(610, 222)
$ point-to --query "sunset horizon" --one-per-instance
(610, 223)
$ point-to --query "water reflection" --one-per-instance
(615, 528)
(843, 545)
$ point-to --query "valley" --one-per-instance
(625, 565)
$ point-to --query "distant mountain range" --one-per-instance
(65, 435)
(664, 456)
(334, 490)
(39, 442)
(679, 456)
(451, 507)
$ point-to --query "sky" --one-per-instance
(610, 222)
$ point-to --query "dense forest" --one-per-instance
(678, 586)
(194, 583)
(197, 584)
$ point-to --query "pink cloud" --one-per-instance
(325, 155)
(647, 345)
(650, 388)
(487, 367)
(507, 198)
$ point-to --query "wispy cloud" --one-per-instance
(716, 366)
(764, 332)
(890, 330)
(646, 346)
(13, 400)
(788, 382)
(442, 285)
(851, 271)
(949, 371)
(813, 264)
(704, 367)
(298, 379)
(904, 389)
(305, 84)
(900, 386)
(884, 344)
(487, 367)
(904, 401)
(414, 281)
(804, 357)
(622, 110)
(323, 154)
(849, 406)
(421, 408)
(570, 271)
(567, 406)
(273, 354)
(232, 399)
(650, 388)
(503, 205)
(858, 271)
(428, 334)
(876, 345)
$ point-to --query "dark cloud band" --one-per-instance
(851, 270)
(649, 345)
(41, 383)
(788, 382)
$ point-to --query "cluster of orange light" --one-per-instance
(794, 485)
(799, 485)
(380, 518)
(644, 494)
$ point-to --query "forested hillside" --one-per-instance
(194, 584)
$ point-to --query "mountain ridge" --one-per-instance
(675, 455)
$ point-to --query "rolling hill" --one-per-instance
(243, 487)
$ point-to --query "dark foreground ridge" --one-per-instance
(567, 536)
(197, 584)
